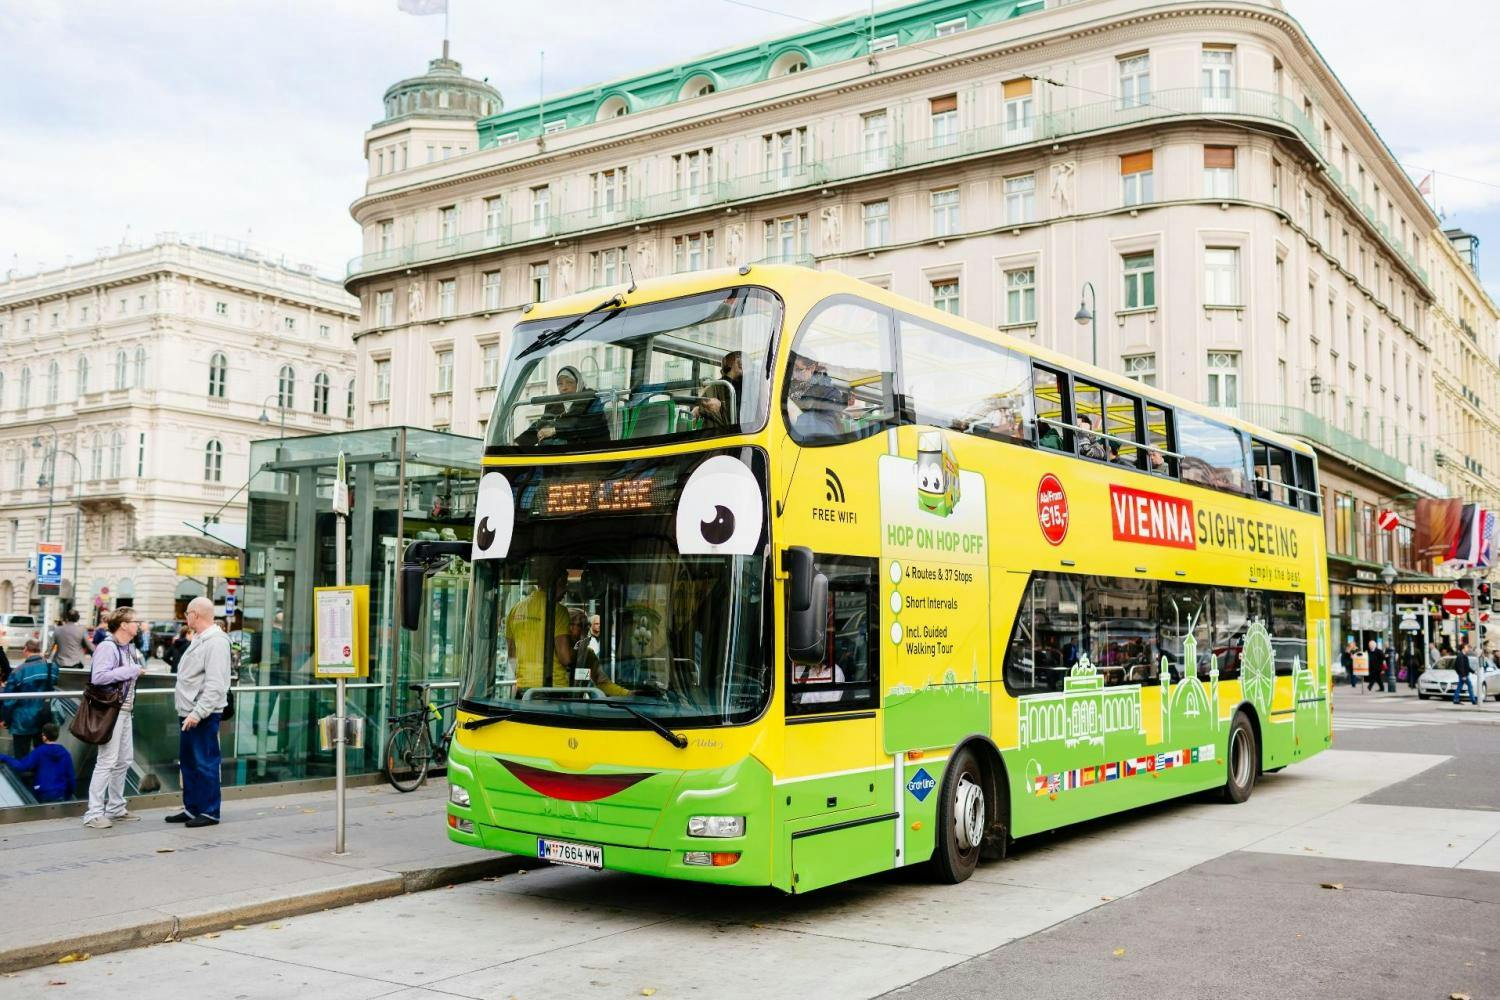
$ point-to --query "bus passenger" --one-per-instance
(567, 423)
(1090, 444)
(586, 656)
(817, 401)
(525, 636)
(717, 407)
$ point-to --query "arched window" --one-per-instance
(321, 390)
(83, 375)
(54, 381)
(140, 367)
(96, 458)
(122, 370)
(613, 106)
(349, 415)
(699, 85)
(788, 63)
(286, 388)
(213, 462)
(116, 454)
(218, 374)
(25, 397)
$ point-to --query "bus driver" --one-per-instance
(525, 636)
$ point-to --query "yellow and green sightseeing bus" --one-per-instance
(781, 579)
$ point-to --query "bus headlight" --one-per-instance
(716, 826)
(458, 795)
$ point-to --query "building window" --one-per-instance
(694, 170)
(945, 295)
(693, 252)
(25, 397)
(607, 267)
(444, 371)
(122, 370)
(387, 235)
(1141, 367)
(541, 206)
(786, 238)
(382, 380)
(1020, 296)
(349, 401)
(494, 217)
(56, 320)
(286, 388)
(96, 458)
(884, 43)
(385, 308)
(1018, 110)
(945, 212)
(218, 375)
(1223, 378)
(83, 375)
(952, 26)
(492, 289)
(1020, 199)
(221, 308)
(875, 140)
(1135, 80)
(140, 456)
(1135, 178)
(140, 367)
(785, 152)
(877, 223)
(116, 454)
(1218, 172)
(289, 323)
(944, 111)
(1221, 267)
(1140, 280)
(213, 462)
(54, 381)
(447, 297)
(1343, 523)
(607, 189)
(322, 389)
(541, 282)
(324, 330)
(489, 366)
(1218, 76)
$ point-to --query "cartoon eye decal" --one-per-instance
(721, 510)
(494, 517)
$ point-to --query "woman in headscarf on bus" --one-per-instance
(567, 421)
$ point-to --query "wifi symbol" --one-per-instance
(835, 486)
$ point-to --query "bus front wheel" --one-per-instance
(963, 819)
(1243, 760)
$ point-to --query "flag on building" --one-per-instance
(1464, 548)
(1437, 523)
(1487, 540)
(1425, 187)
(422, 7)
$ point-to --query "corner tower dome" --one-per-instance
(442, 92)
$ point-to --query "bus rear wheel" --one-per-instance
(1243, 760)
(963, 819)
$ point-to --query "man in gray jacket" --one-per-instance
(201, 694)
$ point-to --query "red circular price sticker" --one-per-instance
(1052, 509)
(347, 651)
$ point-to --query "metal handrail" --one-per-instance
(252, 688)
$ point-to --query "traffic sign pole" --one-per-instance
(340, 537)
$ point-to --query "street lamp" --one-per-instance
(1388, 574)
(280, 405)
(1087, 314)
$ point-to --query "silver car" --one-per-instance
(1440, 681)
(16, 629)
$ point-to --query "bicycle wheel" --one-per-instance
(408, 752)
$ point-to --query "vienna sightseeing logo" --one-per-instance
(921, 784)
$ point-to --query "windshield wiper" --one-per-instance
(490, 720)
(676, 739)
(557, 336)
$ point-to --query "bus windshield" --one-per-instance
(599, 599)
(692, 366)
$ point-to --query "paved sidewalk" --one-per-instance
(141, 883)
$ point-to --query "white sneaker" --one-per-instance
(98, 823)
(125, 817)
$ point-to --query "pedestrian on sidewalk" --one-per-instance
(1346, 660)
(70, 642)
(52, 780)
(201, 694)
(1377, 666)
(24, 717)
(1465, 671)
(116, 664)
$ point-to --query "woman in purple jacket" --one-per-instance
(116, 661)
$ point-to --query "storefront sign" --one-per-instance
(207, 566)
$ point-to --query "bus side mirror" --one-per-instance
(412, 577)
(806, 606)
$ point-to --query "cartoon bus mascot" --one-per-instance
(937, 474)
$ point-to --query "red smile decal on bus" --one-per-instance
(572, 787)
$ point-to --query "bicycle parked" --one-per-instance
(412, 749)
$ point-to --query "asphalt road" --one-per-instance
(1190, 899)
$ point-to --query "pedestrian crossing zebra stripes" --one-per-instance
(1347, 723)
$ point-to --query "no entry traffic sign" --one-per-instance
(1389, 520)
(1457, 602)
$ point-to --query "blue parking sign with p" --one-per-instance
(49, 569)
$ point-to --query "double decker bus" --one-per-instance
(781, 579)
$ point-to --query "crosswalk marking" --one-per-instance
(1347, 722)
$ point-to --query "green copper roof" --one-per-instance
(846, 38)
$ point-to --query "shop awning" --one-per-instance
(173, 546)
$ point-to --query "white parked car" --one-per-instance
(1440, 681)
(16, 629)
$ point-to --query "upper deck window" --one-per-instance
(692, 366)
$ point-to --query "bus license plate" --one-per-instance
(564, 853)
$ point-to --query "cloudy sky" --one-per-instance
(243, 118)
